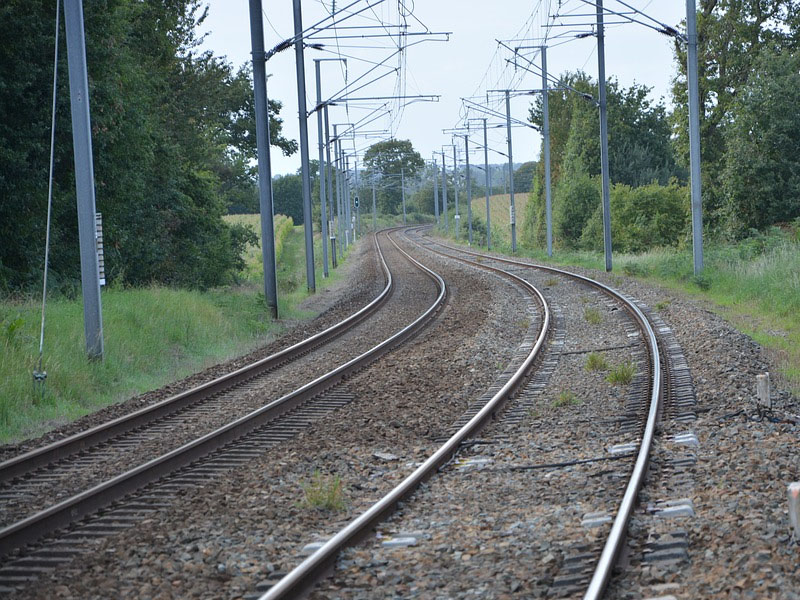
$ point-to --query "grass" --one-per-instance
(754, 284)
(622, 374)
(499, 210)
(153, 336)
(323, 492)
(596, 362)
(592, 315)
(566, 398)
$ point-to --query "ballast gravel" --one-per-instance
(497, 522)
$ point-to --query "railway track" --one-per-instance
(663, 366)
(29, 546)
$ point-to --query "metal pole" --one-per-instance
(513, 215)
(322, 200)
(347, 211)
(469, 188)
(444, 194)
(84, 177)
(456, 216)
(329, 172)
(436, 190)
(546, 150)
(337, 147)
(308, 224)
(694, 136)
(403, 193)
(601, 77)
(264, 160)
(488, 185)
(357, 229)
(374, 207)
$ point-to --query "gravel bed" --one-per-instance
(414, 293)
(497, 522)
(363, 280)
(236, 538)
(227, 538)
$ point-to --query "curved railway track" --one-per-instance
(192, 463)
(303, 577)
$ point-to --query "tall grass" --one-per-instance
(152, 336)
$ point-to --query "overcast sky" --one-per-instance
(466, 65)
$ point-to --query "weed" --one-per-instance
(634, 269)
(584, 300)
(552, 282)
(592, 315)
(702, 281)
(523, 324)
(323, 492)
(566, 398)
(662, 304)
(596, 362)
(622, 374)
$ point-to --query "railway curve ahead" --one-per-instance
(408, 306)
(643, 425)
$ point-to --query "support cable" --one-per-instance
(39, 376)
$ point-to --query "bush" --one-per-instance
(642, 218)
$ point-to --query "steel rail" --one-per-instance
(72, 509)
(29, 461)
(616, 536)
(313, 568)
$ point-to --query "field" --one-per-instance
(499, 210)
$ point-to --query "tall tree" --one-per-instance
(731, 35)
(761, 175)
(172, 133)
(385, 161)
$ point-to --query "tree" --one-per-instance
(731, 35)
(761, 176)
(173, 133)
(642, 218)
(287, 192)
(385, 161)
(523, 177)
(640, 150)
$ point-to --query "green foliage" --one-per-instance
(592, 316)
(761, 180)
(173, 134)
(323, 492)
(642, 218)
(575, 200)
(385, 161)
(731, 37)
(287, 194)
(622, 374)
(596, 362)
(523, 177)
(566, 398)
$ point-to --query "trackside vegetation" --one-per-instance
(153, 335)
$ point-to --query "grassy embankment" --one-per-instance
(152, 336)
(499, 210)
(755, 284)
